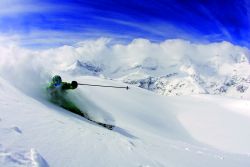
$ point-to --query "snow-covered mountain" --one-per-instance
(223, 71)
(84, 68)
(235, 84)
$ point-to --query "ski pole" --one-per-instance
(107, 86)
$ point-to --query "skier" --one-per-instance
(57, 94)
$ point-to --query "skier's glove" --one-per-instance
(74, 84)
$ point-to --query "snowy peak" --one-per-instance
(77, 64)
(84, 68)
(215, 77)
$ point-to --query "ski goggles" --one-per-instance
(57, 84)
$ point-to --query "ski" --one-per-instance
(107, 126)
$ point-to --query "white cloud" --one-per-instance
(14, 8)
(31, 68)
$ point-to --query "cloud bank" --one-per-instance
(31, 69)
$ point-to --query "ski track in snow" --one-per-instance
(29, 158)
(12, 158)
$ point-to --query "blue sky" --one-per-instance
(68, 21)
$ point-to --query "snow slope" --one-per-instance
(152, 130)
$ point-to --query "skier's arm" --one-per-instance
(72, 85)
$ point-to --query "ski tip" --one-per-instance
(110, 127)
(107, 126)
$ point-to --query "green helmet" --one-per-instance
(57, 80)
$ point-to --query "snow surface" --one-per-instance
(151, 130)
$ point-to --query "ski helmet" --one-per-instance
(57, 79)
